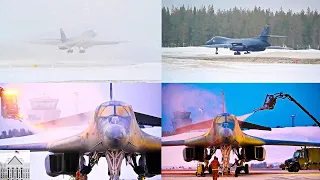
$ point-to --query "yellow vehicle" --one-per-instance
(200, 169)
(304, 159)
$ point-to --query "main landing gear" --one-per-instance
(70, 51)
(237, 53)
(140, 167)
(247, 52)
(86, 169)
(241, 166)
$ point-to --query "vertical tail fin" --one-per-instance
(223, 103)
(63, 35)
(265, 33)
(111, 93)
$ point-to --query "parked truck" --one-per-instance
(304, 159)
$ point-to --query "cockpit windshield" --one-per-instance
(114, 113)
(225, 121)
(118, 110)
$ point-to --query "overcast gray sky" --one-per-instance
(294, 5)
(138, 20)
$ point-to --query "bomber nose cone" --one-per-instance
(226, 134)
(115, 136)
(208, 42)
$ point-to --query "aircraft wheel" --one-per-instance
(70, 51)
(237, 171)
(246, 169)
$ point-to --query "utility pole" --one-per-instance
(292, 117)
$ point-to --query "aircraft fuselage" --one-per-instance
(111, 131)
(246, 44)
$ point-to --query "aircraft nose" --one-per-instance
(226, 134)
(208, 42)
(115, 136)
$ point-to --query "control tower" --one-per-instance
(43, 109)
(180, 119)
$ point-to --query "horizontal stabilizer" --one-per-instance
(247, 125)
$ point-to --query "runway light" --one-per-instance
(35, 65)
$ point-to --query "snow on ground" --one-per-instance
(210, 52)
(200, 64)
(173, 156)
(23, 62)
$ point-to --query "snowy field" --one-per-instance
(173, 156)
(100, 171)
(200, 64)
(23, 62)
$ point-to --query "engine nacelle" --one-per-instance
(238, 48)
(153, 163)
(61, 164)
(255, 153)
(193, 153)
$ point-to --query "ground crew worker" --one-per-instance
(215, 165)
(78, 175)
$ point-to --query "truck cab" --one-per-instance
(304, 159)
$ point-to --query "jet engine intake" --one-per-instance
(153, 163)
(193, 153)
(61, 164)
(255, 153)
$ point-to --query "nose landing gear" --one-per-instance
(114, 160)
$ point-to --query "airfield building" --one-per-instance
(180, 119)
(43, 109)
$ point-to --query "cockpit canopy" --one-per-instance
(114, 108)
(114, 112)
(225, 120)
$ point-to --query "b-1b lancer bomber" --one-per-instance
(82, 42)
(255, 44)
(114, 133)
(225, 132)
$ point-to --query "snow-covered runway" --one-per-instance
(198, 64)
